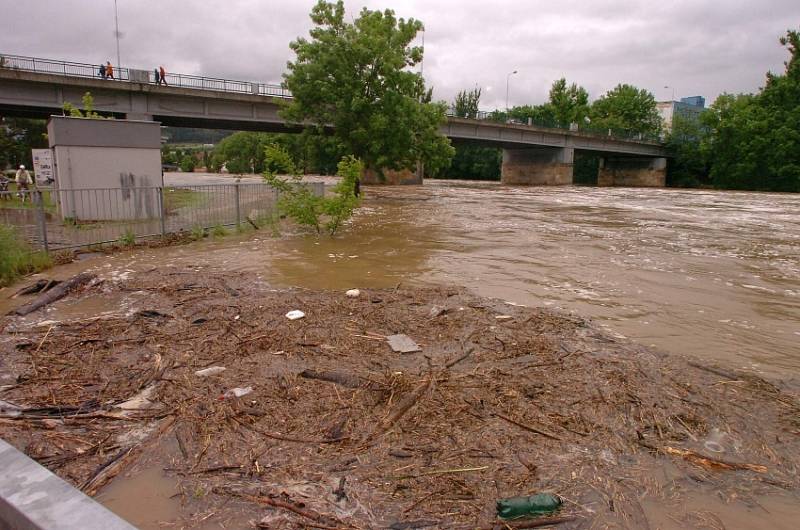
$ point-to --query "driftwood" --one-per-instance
(527, 427)
(56, 293)
(402, 407)
(705, 460)
(340, 378)
(39, 287)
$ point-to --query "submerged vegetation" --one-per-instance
(17, 258)
(298, 201)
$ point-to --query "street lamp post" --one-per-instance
(508, 79)
(116, 32)
(673, 91)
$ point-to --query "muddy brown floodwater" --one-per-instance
(705, 273)
(715, 275)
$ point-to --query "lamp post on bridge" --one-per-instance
(508, 80)
(116, 31)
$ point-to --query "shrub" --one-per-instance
(299, 203)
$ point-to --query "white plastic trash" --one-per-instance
(213, 370)
(238, 392)
(295, 314)
(353, 293)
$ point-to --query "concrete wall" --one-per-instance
(106, 169)
(537, 166)
(633, 172)
(32, 498)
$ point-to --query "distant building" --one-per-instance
(689, 108)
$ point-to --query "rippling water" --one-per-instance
(706, 273)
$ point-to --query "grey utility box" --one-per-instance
(106, 169)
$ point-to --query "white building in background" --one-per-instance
(689, 108)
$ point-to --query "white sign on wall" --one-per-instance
(43, 165)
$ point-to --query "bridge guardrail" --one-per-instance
(73, 69)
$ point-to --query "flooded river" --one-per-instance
(710, 274)
(706, 273)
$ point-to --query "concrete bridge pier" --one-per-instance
(538, 166)
(632, 171)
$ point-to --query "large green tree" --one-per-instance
(17, 137)
(466, 103)
(569, 103)
(626, 110)
(357, 78)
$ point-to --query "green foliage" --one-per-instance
(187, 163)
(625, 110)
(568, 104)
(466, 103)
(218, 230)
(298, 202)
(356, 77)
(17, 258)
(687, 143)
(17, 137)
(746, 141)
(474, 162)
(88, 108)
(197, 233)
(128, 238)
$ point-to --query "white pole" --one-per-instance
(116, 33)
(508, 79)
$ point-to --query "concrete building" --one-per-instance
(689, 108)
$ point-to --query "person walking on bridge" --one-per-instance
(156, 76)
(109, 70)
(102, 71)
(163, 78)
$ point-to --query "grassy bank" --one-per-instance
(17, 258)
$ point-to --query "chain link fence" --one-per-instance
(60, 219)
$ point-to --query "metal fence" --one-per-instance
(58, 219)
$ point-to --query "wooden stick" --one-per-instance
(527, 427)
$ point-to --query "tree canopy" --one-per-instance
(569, 104)
(746, 141)
(626, 109)
(357, 79)
(466, 103)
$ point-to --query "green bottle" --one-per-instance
(539, 504)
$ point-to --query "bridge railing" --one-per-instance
(50, 66)
(72, 69)
(498, 116)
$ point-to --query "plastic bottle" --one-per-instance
(539, 504)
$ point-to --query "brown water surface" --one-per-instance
(706, 273)
(710, 274)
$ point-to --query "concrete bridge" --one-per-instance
(532, 155)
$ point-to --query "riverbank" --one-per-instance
(340, 431)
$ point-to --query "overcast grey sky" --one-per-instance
(700, 47)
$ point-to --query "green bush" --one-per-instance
(300, 204)
(187, 163)
(17, 258)
(128, 238)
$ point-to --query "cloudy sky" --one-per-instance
(700, 47)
